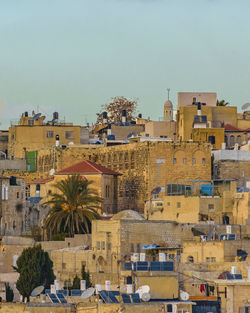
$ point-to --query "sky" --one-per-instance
(73, 56)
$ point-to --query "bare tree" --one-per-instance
(115, 108)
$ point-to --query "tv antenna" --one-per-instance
(168, 89)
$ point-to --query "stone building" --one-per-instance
(104, 181)
(31, 133)
(13, 206)
(144, 166)
(232, 164)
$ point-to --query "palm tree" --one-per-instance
(74, 206)
(221, 103)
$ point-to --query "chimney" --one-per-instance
(57, 141)
(109, 129)
(199, 108)
(105, 117)
(124, 116)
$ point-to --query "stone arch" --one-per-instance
(198, 155)
(100, 264)
(178, 156)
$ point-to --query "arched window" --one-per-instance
(226, 141)
(239, 139)
(231, 141)
(190, 259)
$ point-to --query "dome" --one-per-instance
(128, 215)
(168, 103)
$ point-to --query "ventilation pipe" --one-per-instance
(109, 129)
(57, 141)
(199, 108)
(124, 116)
(105, 117)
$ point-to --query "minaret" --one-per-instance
(168, 109)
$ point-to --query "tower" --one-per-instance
(168, 109)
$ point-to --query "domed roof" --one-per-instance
(128, 215)
(168, 103)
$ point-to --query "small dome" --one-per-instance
(168, 103)
(128, 215)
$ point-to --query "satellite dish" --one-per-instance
(145, 297)
(36, 292)
(245, 106)
(36, 116)
(155, 191)
(52, 172)
(143, 289)
(88, 293)
(184, 296)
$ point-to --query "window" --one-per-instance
(98, 245)
(207, 260)
(211, 207)
(203, 161)
(194, 99)
(168, 204)
(194, 160)
(178, 205)
(17, 195)
(239, 140)
(63, 266)
(103, 245)
(50, 134)
(231, 141)
(107, 191)
(138, 247)
(174, 160)
(159, 161)
(211, 139)
(190, 259)
(169, 308)
(213, 259)
(132, 247)
(30, 122)
(184, 160)
(109, 246)
(69, 135)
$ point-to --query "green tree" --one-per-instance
(74, 206)
(115, 108)
(35, 269)
(76, 283)
(221, 103)
(86, 277)
(9, 294)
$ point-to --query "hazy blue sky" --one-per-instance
(74, 55)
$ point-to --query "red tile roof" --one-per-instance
(41, 181)
(86, 167)
(229, 127)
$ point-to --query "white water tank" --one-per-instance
(53, 289)
(107, 285)
(142, 257)
(83, 285)
(233, 270)
(162, 257)
(57, 284)
(98, 287)
(129, 289)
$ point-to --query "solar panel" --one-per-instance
(61, 298)
(53, 298)
(229, 276)
(76, 293)
(232, 237)
(167, 266)
(155, 266)
(141, 266)
(105, 297)
(47, 290)
(126, 298)
(63, 291)
(112, 295)
(237, 276)
(136, 298)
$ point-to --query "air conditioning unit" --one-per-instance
(239, 195)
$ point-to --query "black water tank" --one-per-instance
(26, 114)
(55, 116)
